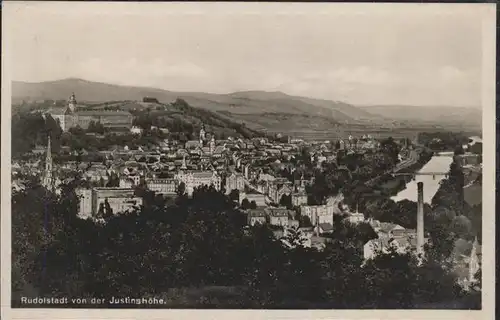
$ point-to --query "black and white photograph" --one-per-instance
(270, 156)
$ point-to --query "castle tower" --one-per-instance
(48, 181)
(72, 103)
(420, 218)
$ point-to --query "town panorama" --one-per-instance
(161, 204)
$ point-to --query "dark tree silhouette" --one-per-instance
(253, 204)
(234, 195)
(245, 204)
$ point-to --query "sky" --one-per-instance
(397, 54)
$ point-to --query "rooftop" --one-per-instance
(102, 113)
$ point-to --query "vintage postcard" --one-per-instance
(261, 160)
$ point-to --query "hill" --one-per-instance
(443, 115)
(261, 110)
(249, 102)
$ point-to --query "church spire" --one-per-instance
(47, 175)
(474, 261)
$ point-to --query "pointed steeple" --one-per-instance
(47, 175)
(473, 262)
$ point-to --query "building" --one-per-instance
(127, 182)
(256, 216)
(235, 181)
(193, 144)
(120, 200)
(277, 191)
(293, 223)
(96, 173)
(71, 117)
(323, 228)
(195, 179)
(318, 213)
(259, 198)
(393, 236)
(384, 244)
(48, 179)
(278, 216)
(355, 217)
(136, 130)
(299, 199)
(85, 206)
(162, 186)
(470, 159)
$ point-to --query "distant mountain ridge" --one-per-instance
(299, 113)
(245, 102)
(465, 116)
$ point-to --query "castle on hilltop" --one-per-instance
(73, 116)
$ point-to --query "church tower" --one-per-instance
(184, 165)
(48, 180)
(202, 134)
(72, 103)
(212, 145)
(473, 262)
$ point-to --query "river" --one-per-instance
(438, 163)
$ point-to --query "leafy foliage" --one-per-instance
(202, 241)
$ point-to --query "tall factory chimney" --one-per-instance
(420, 218)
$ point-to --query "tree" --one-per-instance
(304, 221)
(108, 211)
(337, 145)
(477, 148)
(286, 201)
(202, 242)
(234, 195)
(253, 204)
(390, 147)
(181, 189)
(462, 227)
(113, 180)
(245, 204)
(459, 150)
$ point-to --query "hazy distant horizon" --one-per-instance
(417, 55)
(250, 90)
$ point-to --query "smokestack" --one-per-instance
(420, 218)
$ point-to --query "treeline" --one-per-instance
(443, 141)
(349, 173)
(447, 218)
(32, 129)
(189, 120)
(202, 242)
